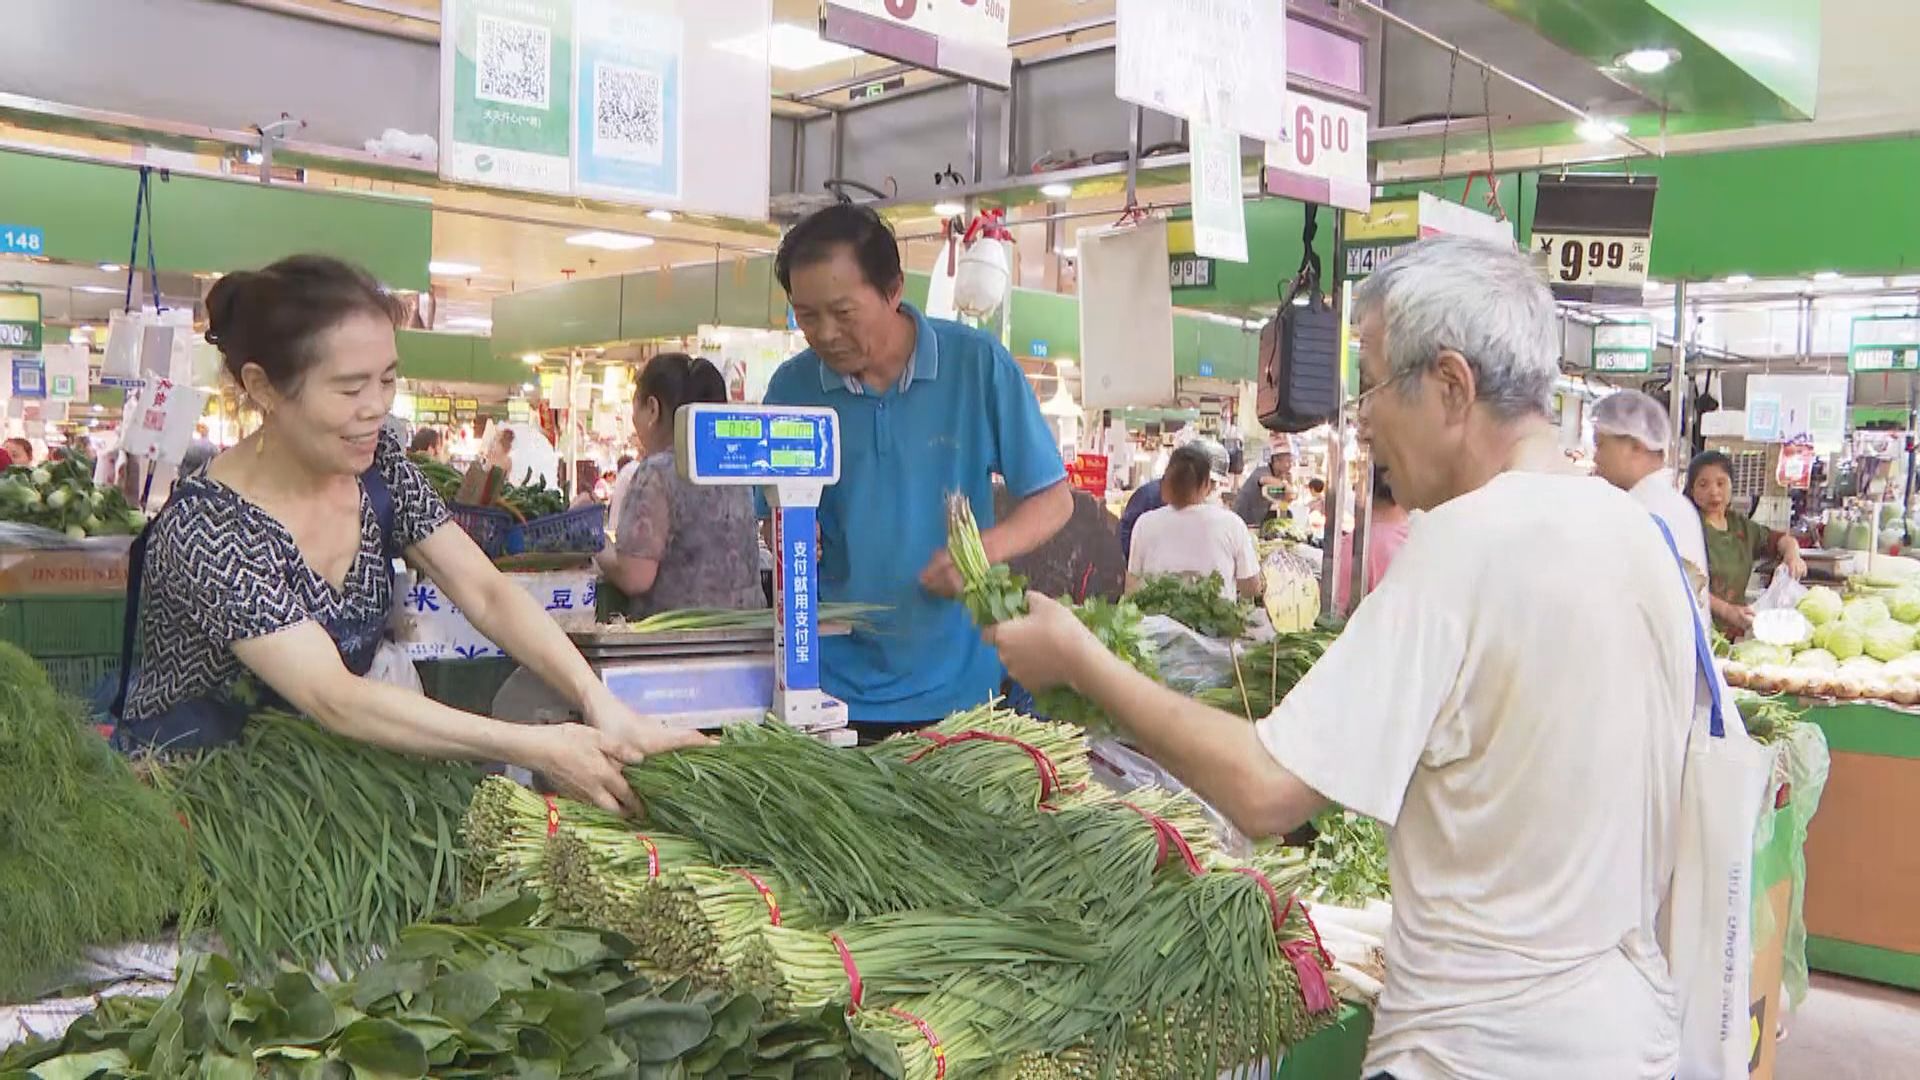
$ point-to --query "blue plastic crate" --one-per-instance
(578, 531)
(489, 528)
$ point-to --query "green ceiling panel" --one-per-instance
(433, 357)
(1753, 58)
(206, 225)
(582, 312)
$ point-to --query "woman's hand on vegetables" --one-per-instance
(630, 737)
(579, 761)
(1045, 648)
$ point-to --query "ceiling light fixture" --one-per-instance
(1056, 191)
(610, 241)
(660, 215)
(1650, 286)
(530, 388)
(1827, 275)
(531, 359)
(949, 209)
(112, 268)
(451, 269)
(789, 48)
(1595, 130)
(1739, 279)
(102, 290)
(470, 322)
(1069, 252)
(1648, 61)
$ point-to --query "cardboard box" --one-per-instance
(1768, 961)
(98, 568)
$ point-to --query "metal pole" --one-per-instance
(1135, 117)
(1532, 88)
(1337, 439)
(975, 142)
(1009, 112)
(1677, 386)
(836, 149)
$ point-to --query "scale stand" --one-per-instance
(792, 453)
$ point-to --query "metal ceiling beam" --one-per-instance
(1537, 91)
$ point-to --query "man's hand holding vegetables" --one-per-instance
(1524, 675)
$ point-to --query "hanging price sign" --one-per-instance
(1586, 259)
(20, 321)
(1324, 157)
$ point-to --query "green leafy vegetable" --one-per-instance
(1842, 639)
(1821, 605)
(1198, 604)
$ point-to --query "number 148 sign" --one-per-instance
(1575, 259)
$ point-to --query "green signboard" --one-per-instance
(1884, 343)
(1624, 347)
(506, 93)
(20, 321)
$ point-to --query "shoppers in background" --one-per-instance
(1540, 640)
(1255, 500)
(677, 544)
(623, 472)
(1148, 497)
(926, 407)
(1386, 532)
(1734, 542)
(1630, 436)
(500, 451)
(198, 453)
(19, 451)
(1193, 535)
(429, 444)
(278, 558)
(1312, 510)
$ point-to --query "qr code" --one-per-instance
(514, 62)
(627, 102)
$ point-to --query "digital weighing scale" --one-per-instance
(710, 678)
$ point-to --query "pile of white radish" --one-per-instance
(1897, 682)
(1356, 939)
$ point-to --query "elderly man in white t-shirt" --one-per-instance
(1630, 434)
(1513, 702)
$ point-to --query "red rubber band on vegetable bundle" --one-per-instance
(927, 1033)
(653, 856)
(1049, 772)
(553, 818)
(855, 989)
(1308, 967)
(1166, 834)
(773, 906)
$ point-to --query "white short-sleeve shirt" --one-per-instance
(1198, 540)
(1513, 701)
(1661, 496)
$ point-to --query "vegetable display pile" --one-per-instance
(493, 996)
(444, 477)
(685, 619)
(1349, 858)
(317, 849)
(1196, 604)
(1848, 647)
(531, 498)
(1264, 673)
(61, 496)
(1007, 762)
(89, 856)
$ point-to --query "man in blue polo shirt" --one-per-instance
(926, 407)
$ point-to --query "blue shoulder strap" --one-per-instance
(1702, 653)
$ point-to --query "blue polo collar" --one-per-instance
(923, 364)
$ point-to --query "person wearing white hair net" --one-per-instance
(1630, 435)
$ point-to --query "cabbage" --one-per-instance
(1782, 627)
(1904, 604)
(1816, 658)
(1863, 665)
(1756, 653)
(1865, 611)
(1843, 640)
(1889, 641)
(1820, 605)
(1908, 665)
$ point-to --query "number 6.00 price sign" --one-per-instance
(1581, 259)
(1323, 156)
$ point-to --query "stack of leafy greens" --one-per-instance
(491, 996)
(1008, 762)
(1196, 603)
(89, 855)
(1348, 863)
(317, 849)
(62, 496)
(1264, 673)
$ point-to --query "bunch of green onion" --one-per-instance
(858, 616)
(1004, 776)
(318, 849)
(1114, 850)
(992, 592)
(1265, 673)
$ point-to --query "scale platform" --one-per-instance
(705, 679)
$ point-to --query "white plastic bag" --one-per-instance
(392, 666)
(1782, 592)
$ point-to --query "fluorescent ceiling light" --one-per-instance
(1596, 130)
(452, 269)
(530, 388)
(949, 209)
(610, 241)
(1827, 275)
(1056, 191)
(1651, 286)
(1069, 252)
(1649, 61)
(470, 322)
(789, 48)
(112, 268)
(660, 215)
(101, 289)
(1739, 279)
(531, 359)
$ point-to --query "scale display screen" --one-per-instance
(758, 444)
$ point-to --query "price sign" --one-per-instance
(967, 38)
(1326, 151)
(20, 321)
(1190, 272)
(1624, 346)
(1575, 259)
(1884, 343)
(980, 21)
(1367, 258)
(22, 240)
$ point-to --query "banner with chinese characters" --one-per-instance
(431, 626)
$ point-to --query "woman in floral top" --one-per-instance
(1734, 542)
(678, 545)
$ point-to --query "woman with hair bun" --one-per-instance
(676, 544)
(277, 559)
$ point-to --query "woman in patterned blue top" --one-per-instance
(277, 559)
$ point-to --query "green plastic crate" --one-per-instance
(80, 676)
(63, 626)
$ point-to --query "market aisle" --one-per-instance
(1852, 1030)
